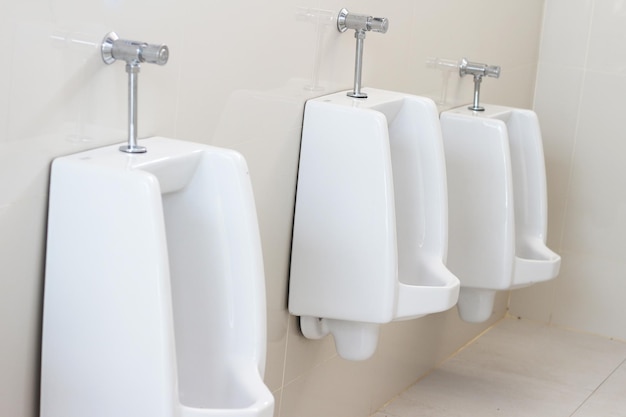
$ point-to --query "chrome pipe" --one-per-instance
(358, 66)
(476, 105)
(133, 81)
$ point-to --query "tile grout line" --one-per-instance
(438, 365)
(622, 363)
(282, 382)
(585, 70)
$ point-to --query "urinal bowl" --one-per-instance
(370, 227)
(497, 204)
(154, 295)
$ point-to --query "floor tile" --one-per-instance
(610, 398)
(548, 353)
(521, 368)
(475, 392)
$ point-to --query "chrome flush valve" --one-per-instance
(478, 71)
(361, 24)
(134, 53)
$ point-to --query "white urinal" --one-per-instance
(154, 301)
(497, 204)
(370, 227)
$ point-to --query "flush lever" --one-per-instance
(134, 53)
(361, 24)
(478, 71)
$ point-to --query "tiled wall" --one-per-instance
(237, 77)
(581, 103)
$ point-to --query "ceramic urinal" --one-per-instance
(154, 296)
(370, 228)
(497, 204)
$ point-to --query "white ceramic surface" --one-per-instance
(497, 204)
(154, 295)
(370, 229)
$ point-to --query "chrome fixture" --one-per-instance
(478, 71)
(361, 24)
(134, 53)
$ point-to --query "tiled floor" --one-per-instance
(523, 368)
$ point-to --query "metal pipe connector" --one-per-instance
(478, 71)
(361, 24)
(133, 53)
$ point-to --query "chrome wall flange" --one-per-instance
(106, 49)
(341, 20)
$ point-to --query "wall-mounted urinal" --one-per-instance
(497, 204)
(154, 300)
(370, 227)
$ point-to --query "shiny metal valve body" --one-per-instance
(133, 53)
(361, 24)
(478, 71)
